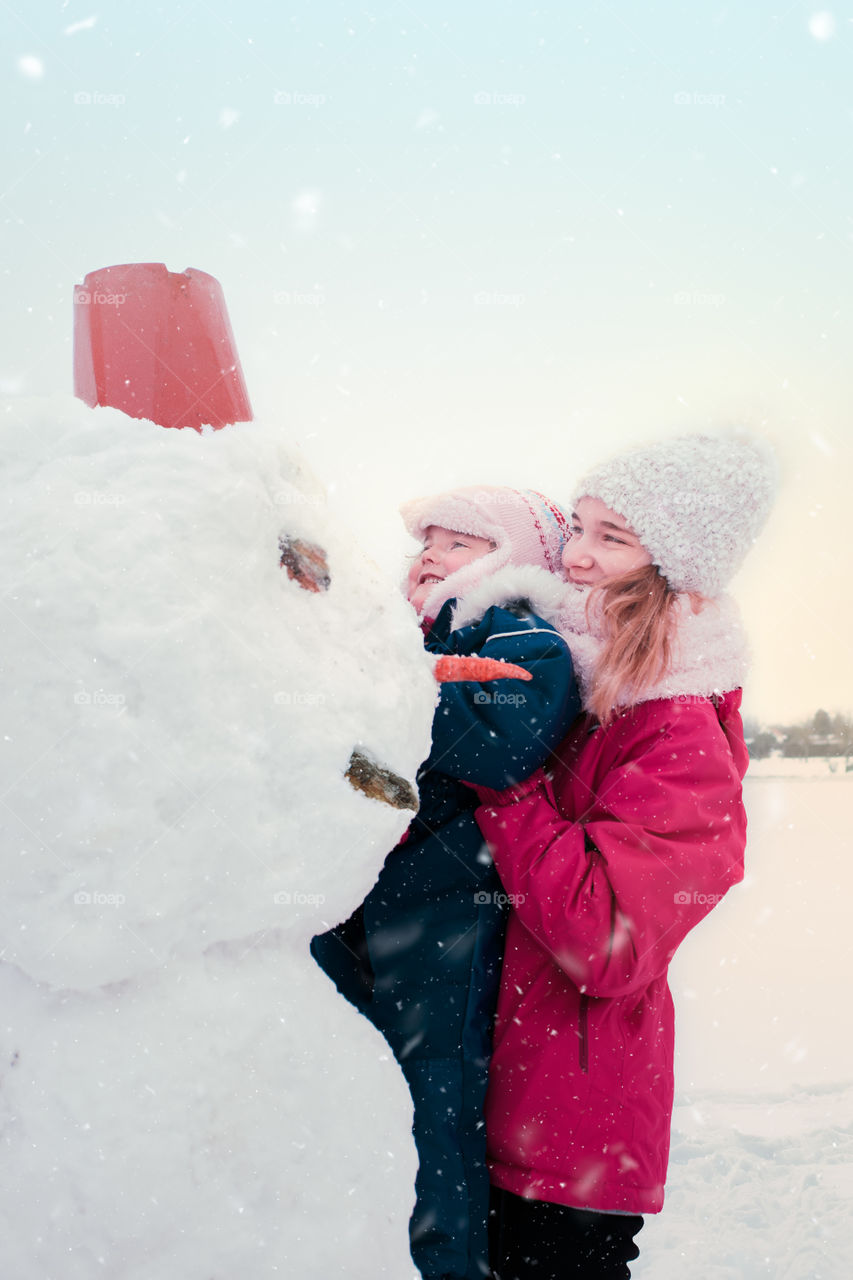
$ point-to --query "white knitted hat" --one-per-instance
(697, 503)
(525, 526)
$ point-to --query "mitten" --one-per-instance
(510, 795)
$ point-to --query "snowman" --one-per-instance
(213, 708)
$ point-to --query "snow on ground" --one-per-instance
(759, 1186)
(761, 1174)
(797, 767)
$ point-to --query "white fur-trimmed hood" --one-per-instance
(542, 590)
(711, 651)
(524, 527)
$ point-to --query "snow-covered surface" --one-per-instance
(761, 1175)
(797, 767)
(760, 1185)
(182, 1091)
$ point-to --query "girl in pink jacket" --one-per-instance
(610, 858)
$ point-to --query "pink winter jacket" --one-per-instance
(608, 867)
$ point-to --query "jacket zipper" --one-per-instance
(583, 1006)
(583, 1037)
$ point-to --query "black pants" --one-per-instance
(538, 1240)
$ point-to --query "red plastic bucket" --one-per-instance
(158, 344)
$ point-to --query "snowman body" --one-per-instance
(182, 1091)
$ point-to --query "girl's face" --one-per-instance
(601, 545)
(444, 552)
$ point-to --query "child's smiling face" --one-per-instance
(444, 551)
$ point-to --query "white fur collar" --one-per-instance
(542, 590)
(711, 650)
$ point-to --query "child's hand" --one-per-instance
(451, 667)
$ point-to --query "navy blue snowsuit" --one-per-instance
(421, 957)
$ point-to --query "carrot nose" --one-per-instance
(450, 667)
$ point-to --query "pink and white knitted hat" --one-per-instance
(525, 526)
(696, 502)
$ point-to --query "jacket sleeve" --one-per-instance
(497, 732)
(611, 897)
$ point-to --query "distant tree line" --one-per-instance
(821, 735)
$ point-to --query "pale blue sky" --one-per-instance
(466, 242)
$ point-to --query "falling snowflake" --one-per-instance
(31, 67)
(306, 206)
(85, 24)
(822, 25)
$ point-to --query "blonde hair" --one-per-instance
(636, 610)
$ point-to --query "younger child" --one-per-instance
(421, 957)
